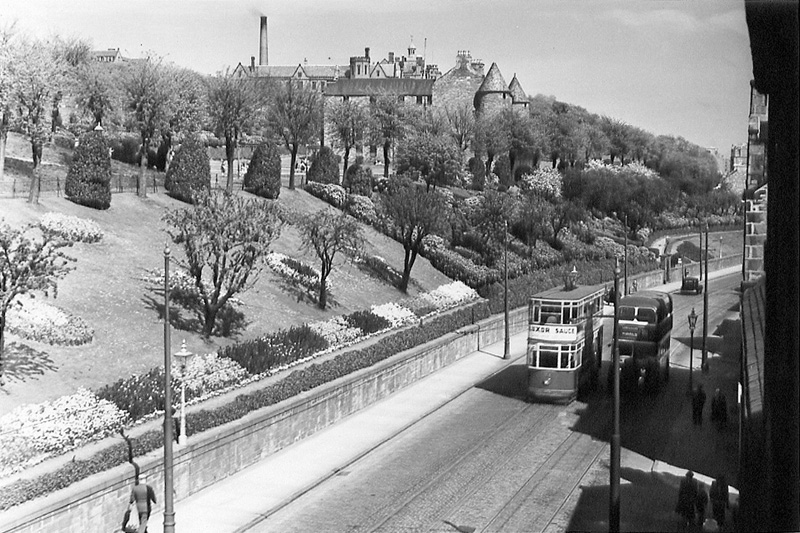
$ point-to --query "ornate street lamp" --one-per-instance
(183, 357)
(692, 325)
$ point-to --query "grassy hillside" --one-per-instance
(107, 290)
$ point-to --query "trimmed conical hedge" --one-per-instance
(324, 167)
(189, 171)
(89, 178)
(263, 176)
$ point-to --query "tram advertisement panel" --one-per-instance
(545, 333)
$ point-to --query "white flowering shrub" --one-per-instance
(546, 182)
(32, 432)
(395, 314)
(329, 192)
(337, 331)
(296, 271)
(206, 373)
(433, 242)
(450, 295)
(181, 282)
(71, 228)
(362, 208)
(36, 320)
(635, 169)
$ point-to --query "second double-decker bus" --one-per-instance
(565, 342)
(645, 328)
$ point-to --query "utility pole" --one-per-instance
(704, 365)
(507, 341)
(169, 513)
(626, 255)
(614, 499)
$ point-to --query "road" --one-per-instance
(489, 461)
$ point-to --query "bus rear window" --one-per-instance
(646, 315)
(627, 313)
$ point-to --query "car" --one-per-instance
(691, 284)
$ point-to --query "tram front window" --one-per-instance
(548, 358)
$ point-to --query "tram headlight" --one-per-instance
(546, 381)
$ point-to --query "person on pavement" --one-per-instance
(698, 402)
(142, 495)
(700, 504)
(687, 494)
(719, 499)
(719, 409)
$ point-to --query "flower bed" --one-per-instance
(32, 433)
(296, 271)
(71, 228)
(39, 321)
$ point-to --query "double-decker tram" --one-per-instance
(645, 328)
(565, 342)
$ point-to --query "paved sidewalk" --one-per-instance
(247, 497)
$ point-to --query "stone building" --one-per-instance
(458, 85)
(493, 95)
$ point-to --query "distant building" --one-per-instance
(111, 55)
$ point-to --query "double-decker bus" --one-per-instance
(645, 327)
(565, 342)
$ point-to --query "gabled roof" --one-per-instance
(328, 72)
(368, 87)
(517, 94)
(493, 82)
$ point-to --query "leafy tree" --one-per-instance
(436, 158)
(478, 171)
(148, 102)
(328, 233)
(295, 115)
(30, 260)
(225, 238)
(89, 177)
(489, 220)
(387, 123)
(263, 176)
(358, 178)
(461, 123)
(190, 171)
(563, 214)
(530, 224)
(491, 138)
(409, 214)
(324, 167)
(619, 136)
(186, 109)
(7, 55)
(348, 122)
(231, 104)
(37, 73)
(94, 92)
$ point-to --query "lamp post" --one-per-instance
(183, 356)
(704, 365)
(720, 249)
(626, 255)
(507, 339)
(692, 324)
(701, 253)
(169, 512)
(614, 500)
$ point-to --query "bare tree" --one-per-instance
(348, 120)
(327, 233)
(6, 89)
(225, 238)
(387, 123)
(231, 105)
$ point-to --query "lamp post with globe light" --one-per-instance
(183, 356)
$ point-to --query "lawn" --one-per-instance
(107, 290)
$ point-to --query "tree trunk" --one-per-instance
(209, 317)
(408, 263)
(230, 147)
(141, 185)
(386, 146)
(346, 160)
(489, 159)
(3, 137)
(323, 292)
(291, 166)
(36, 180)
(2, 346)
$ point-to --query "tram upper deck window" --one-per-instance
(550, 314)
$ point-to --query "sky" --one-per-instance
(670, 67)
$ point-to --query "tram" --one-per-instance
(565, 342)
(645, 328)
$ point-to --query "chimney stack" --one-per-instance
(252, 63)
(391, 57)
(366, 53)
(263, 58)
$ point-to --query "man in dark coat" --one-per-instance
(719, 499)
(687, 495)
(700, 504)
(698, 402)
(719, 409)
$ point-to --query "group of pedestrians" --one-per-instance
(693, 501)
(719, 407)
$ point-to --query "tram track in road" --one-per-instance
(448, 489)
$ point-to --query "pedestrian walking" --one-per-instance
(142, 495)
(719, 499)
(698, 402)
(719, 409)
(687, 495)
(700, 504)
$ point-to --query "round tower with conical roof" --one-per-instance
(493, 95)
(519, 100)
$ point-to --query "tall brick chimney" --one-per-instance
(263, 50)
